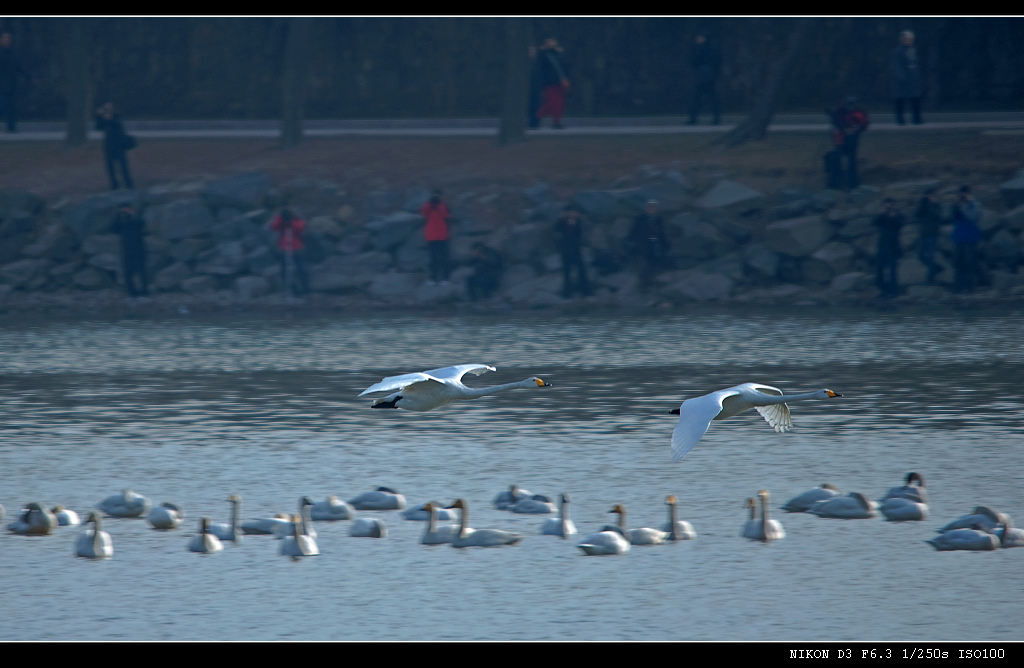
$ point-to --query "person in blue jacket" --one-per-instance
(966, 235)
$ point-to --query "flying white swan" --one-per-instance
(427, 390)
(204, 542)
(331, 510)
(467, 537)
(677, 529)
(763, 529)
(800, 503)
(299, 544)
(853, 506)
(94, 543)
(642, 536)
(538, 504)
(561, 525)
(34, 520)
(166, 516)
(231, 532)
(965, 539)
(126, 504)
(433, 534)
(908, 491)
(65, 517)
(368, 527)
(696, 414)
(382, 498)
(510, 497)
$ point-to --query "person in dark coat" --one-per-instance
(966, 236)
(115, 145)
(907, 81)
(849, 121)
(649, 244)
(554, 81)
(488, 266)
(536, 90)
(889, 223)
(11, 70)
(928, 217)
(569, 239)
(132, 229)
(707, 64)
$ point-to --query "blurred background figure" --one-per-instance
(889, 223)
(649, 244)
(849, 121)
(569, 239)
(488, 266)
(907, 82)
(966, 235)
(928, 217)
(129, 224)
(289, 230)
(11, 70)
(115, 145)
(555, 83)
(707, 64)
(435, 232)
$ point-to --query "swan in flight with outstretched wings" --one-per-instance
(695, 415)
(427, 390)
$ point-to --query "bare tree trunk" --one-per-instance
(293, 80)
(517, 76)
(76, 72)
(755, 125)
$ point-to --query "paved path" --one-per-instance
(988, 122)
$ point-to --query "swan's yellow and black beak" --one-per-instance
(541, 383)
(831, 394)
(674, 411)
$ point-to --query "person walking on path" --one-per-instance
(966, 236)
(928, 217)
(555, 82)
(569, 239)
(907, 81)
(707, 64)
(115, 145)
(435, 231)
(11, 70)
(849, 121)
(289, 230)
(889, 223)
(132, 229)
(649, 244)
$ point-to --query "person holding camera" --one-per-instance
(116, 143)
(966, 236)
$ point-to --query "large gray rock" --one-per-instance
(55, 243)
(101, 243)
(427, 293)
(394, 284)
(837, 255)
(910, 271)
(256, 261)
(108, 261)
(96, 214)
(23, 272)
(1003, 249)
(1014, 219)
(413, 255)
(726, 193)
(538, 291)
(390, 232)
(852, 280)
(170, 278)
(242, 191)
(1013, 190)
(198, 284)
(523, 241)
(600, 205)
(761, 259)
(692, 237)
(799, 236)
(179, 219)
(700, 286)
(16, 199)
(863, 194)
(539, 193)
(1004, 281)
(92, 278)
(249, 287)
(225, 259)
(185, 250)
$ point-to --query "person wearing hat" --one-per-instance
(648, 243)
(907, 81)
(569, 239)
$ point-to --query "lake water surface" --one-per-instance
(193, 410)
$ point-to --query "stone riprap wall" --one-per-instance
(210, 241)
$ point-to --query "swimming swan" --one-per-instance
(382, 498)
(299, 544)
(853, 506)
(268, 526)
(800, 503)
(538, 504)
(94, 543)
(166, 516)
(965, 539)
(763, 529)
(677, 529)
(982, 518)
(427, 390)
(368, 527)
(610, 540)
(434, 535)
(65, 517)
(467, 537)
(204, 542)
(331, 510)
(305, 518)
(125, 504)
(35, 520)
(561, 525)
(908, 491)
(643, 536)
(231, 531)
(696, 414)
(509, 498)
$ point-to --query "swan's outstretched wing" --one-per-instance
(458, 371)
(776, 415)
(695, 416)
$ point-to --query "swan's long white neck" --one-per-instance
(234, 518)
(622, 517)
(96, 528)
(473, 393)
(564, 511)
(818, 394)
(672, 520)
(463, 519)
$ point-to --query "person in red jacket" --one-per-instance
(289, 241)
(435, 231)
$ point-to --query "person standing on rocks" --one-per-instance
(435, 231)
(488, 266)
(649, 244)
(289, 230)
(966, 236)
(11, 69)
(132, 229)
(907, 81)
(569, 239)
(555, 82)
(707, 64)
(116, 143)
(889, 223)
(929, 219)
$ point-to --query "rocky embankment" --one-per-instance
(209, 244)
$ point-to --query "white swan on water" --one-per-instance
(230, 531)
(368, 527)
(34, 520)
(642, 536)
(467, 537)
(65, 517)
(677, 529)
(382, 498)
(433, 534)
(331, 510)
(610, 540)
(853, 506)
(165, 516)
(982, 518)
(94, 543)
(906, 503)
(125, 504)
(510, 497)
(267, 526)
(299, 544)
(204, 542)
(427, 390)
(763, 529)
(800, 503)
(561, 525)
(696, 414)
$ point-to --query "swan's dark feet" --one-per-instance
(384, 403)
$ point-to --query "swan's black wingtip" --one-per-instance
(674, 411)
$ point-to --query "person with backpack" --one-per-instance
(849, 121)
